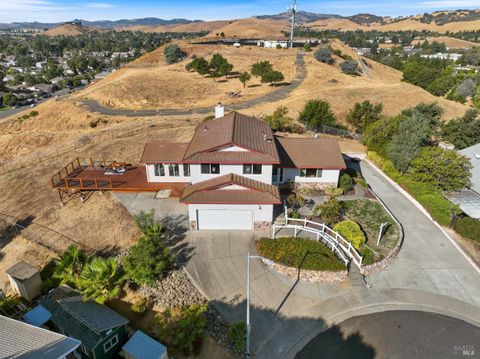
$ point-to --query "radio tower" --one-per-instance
(293, 9)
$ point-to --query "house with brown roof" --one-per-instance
(234, 166)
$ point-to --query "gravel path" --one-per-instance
(279, 94)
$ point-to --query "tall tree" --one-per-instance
(244, 78)
(412, 134)
(262, 69)
(447, 169)
(316, 113)
(363, 114)
(464, 131)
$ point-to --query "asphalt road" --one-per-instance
(396, 334)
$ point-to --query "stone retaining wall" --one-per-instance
(384, 263)
(308, 275)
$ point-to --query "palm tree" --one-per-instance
(101, 279)
(69, 265)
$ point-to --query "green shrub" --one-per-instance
(299, 252)
(238, 336)
(352, 232)
(330, 212)
(346, 182)
(173, 53)
(181, 328)
(294, 215)
(362, 182)
(33, 113)
(140, 305)
(468, 228)
(296, 201)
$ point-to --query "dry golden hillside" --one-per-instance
(70, 30)
(253, 28)
(449, 42)
(150, 83)
(192, 27)
(412, 23)
(382, 84)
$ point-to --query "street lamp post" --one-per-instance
(248, 303)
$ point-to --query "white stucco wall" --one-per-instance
(261, 213)
(197, 176)
(293, 174)
(167, 178)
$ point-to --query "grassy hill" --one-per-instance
(70, 30)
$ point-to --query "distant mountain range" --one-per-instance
(102, 24)
(301, 16)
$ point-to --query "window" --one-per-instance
(213, 168)
(311, 172)
(252, 169)
(110, 344)
(160, 170)
(186, 170)
(174, 170)
(278, 175)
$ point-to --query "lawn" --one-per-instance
(370, 215)
(300, 253)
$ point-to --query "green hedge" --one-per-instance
(468, 228)
(299, 253)
(426, 194)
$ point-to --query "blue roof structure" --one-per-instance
(141, 346)
(37, 316)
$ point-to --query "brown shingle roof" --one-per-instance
(233, 129)
(164, 152)
(211, 191)
(310, 153)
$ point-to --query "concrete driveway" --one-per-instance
(429, 274)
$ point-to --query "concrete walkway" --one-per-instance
(280, 93)
(429, 274)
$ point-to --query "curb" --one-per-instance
(424, 211)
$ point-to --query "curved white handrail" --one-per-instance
(334, 238)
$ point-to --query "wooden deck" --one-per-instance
(89, 178)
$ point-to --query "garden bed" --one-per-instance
(370, 215)
(299, 253)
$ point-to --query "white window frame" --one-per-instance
(174, 170)
(318, 173)
(186, 170)
(252, 167)
(159, 170)
(209, 168)
(110, 343)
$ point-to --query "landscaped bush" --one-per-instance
(299, 253)
(140, 305)
(333, 192)
(237, 335)
(346, 182)
(330, 212)
(296, 201)
(468, 228)
(352, 232)
(182, 329)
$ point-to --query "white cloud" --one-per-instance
(99, 5)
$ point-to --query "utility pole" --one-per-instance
(293, 10)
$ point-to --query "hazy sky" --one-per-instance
(63, 10)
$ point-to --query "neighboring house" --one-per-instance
(469, 199)
(141, 346)
(22, 340)
(234, 166)
(101, 330)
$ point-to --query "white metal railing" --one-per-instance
(338, 244)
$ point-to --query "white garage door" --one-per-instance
(224, 219)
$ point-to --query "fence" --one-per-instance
(334, 131)
(37, 233)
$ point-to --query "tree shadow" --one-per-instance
(274, 335)
(254, 85)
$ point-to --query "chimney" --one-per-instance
(219, 110)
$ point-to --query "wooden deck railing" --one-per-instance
(65, 179)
